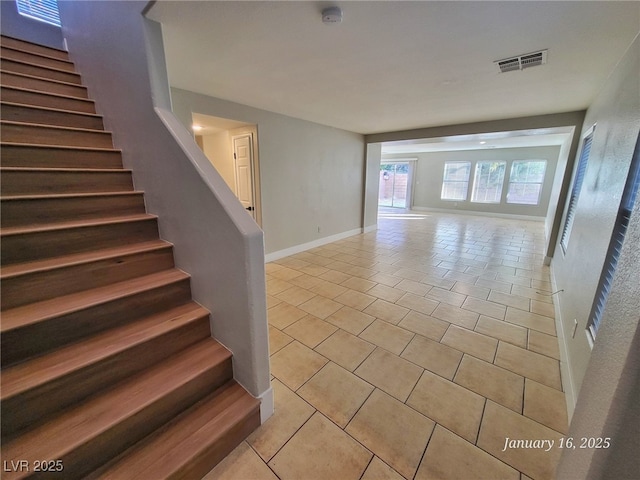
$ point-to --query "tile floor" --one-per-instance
(411, 352)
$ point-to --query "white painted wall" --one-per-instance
(311, 175)
(429, 174)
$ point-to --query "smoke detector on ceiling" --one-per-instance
(332, 15)
(522, 61)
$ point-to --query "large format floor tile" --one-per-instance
(411, 352)
(321, 450)
(449, 404)
(394, 432)
(336, 392)
(450, 457)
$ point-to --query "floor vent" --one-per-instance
(522, 61)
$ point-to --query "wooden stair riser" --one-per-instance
(47, 182)
(40, 99)
(42, 337)
(35, 156)
(46, 135)
(127, 433)
(61, 118)
(36, 59)
(101, 445)
(39, 245)
(9, 65)
(35, 287)
(21, 211)
(198, 436)
(10, 79)
(216, 451)
(33, 48)
(28, 407)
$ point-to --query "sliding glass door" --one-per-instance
(394, 184)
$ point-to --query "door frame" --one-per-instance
(252, 132)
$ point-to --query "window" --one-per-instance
(455, 182)
(575, 191)
(629, 195)
(487, 182)
(42, 10)
(525, 181)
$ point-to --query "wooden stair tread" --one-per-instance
(8, 40)
(70, 195)
(11, 271)
(93, 222)
(53, 127)
(40, 55)
(59, 147)
(35, 372)
(39, 92)
(168, 450)
(64, 65)
(44, 79)
(6, 231)
(50, 109)
(30, 314)
(64, 170)
(83, 423)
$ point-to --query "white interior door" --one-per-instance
(243, 160)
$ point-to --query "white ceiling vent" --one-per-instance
(522, 61)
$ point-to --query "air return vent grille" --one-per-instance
(522, 61)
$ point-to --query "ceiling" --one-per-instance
(395, 65)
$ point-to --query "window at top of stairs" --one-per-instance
(42, 10)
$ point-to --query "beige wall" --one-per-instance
(608, 376)
(372, 177)
(217, 148)
(311, 175)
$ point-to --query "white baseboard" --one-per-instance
(267, 405)
(270, 257)
(370, 228)
(568, 385)
(479, 214)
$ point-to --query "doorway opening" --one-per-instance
(394, 185)
(232, 148)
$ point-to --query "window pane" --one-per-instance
(43, 10)
(524, 193)
(528, 171)
(455, 183)
(487, 182)
(454, 190)
(525, 181)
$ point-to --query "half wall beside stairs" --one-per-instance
(120, 55)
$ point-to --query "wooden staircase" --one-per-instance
(108, 366)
